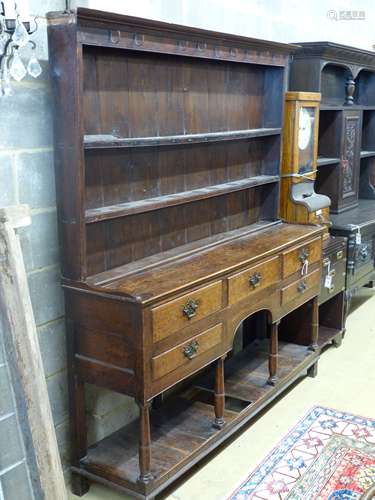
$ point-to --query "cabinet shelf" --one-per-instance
(322, 161)
(343, 107)
(367, 154)
(136, 207)
(110, 141)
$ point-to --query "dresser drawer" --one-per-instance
(248, 282)
(176, 314)
(186, 353)
(294, 259)
(300, 288)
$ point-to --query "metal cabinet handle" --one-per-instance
(331, 289)
(304, 255)
(255, 279)
(190, 308)
(191, 349)
(302, 286)
(339, 255)
(364, 253)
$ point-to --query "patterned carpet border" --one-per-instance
(267, 466)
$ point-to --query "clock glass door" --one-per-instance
(306, 139)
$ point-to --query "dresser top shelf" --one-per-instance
(151, 284)
(104, 141)
(168, 200)
(359, 217)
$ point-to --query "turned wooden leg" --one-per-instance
(145, 475)
(79, 484)
(273, 354)
(219, 394)
(315, 325)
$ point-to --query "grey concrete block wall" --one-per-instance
(15, 480)
(27, 176)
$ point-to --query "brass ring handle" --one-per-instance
(191, 349)
(255, 279)
(190, 308)
(302, 286)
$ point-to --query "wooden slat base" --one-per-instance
(182, 430)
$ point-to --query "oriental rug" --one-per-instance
(328, 455)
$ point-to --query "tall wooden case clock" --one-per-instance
(299, 202)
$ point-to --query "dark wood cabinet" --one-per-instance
(345, 76)
(168, 176)
(358, 226)
(332, 297)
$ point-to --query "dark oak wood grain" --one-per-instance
(168, 173)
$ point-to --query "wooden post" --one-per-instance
(219, 394)
(80, 485)
(20, 329)
(314, 325)
(273, 354)
(145, 475)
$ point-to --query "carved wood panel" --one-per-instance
(350, 158)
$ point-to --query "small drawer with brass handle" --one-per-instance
(188, 353)
(191, 349)
(300, 259)
(248, 282)
(305, 287)
(185, 310)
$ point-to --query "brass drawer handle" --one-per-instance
(326, 261)
(339, 255)
(190, 308)
(191, 349)
(302, 287)
(255, 279)
(332, 273)
(331, 289)
(304, 255)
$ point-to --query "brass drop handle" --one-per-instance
(302, 287)
(191, 349)
(190, 308)
(255, 279)
(304, 255)
(339, 255)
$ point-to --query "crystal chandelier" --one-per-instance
(15, 31)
